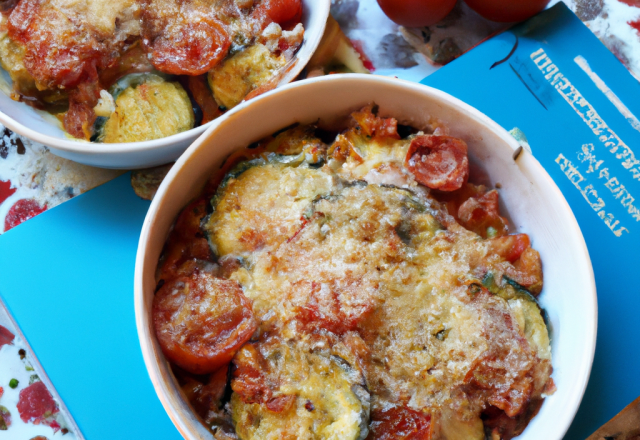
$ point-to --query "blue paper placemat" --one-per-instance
(575, 102)
(67, 278)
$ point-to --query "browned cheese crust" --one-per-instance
(346, 258)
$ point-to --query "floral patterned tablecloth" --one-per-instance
(32, 179)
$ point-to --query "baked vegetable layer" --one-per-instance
(390, 300)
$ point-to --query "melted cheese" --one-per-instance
(105, 16)
(325, 407)
(263, 207)
(372, 262)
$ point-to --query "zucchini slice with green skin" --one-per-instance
(273, 186)
(146, 107)
(134, 80)
(243, 72)
(299, 139)
(326, 397)
(530, 316)
(292, 146)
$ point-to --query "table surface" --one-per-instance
(29, 172)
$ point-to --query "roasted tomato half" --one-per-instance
(183, 38)
(400, 423)
(287, 13)
(201, 321)
(439, 162)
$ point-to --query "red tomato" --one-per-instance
(201, 321)
(506, 11)
(416, 13)
(509, 247)
(252, 381)
(206, 397)
(478, 214)
(400, 423)
(189, 41)
(287, 13)
(202, 95)
(527, 271)
(186, 241)
(439, 162)
(372, 125)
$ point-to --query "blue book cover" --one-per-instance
(67, 274)
(578, 107)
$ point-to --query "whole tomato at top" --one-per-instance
(416, 13)
(507, 10)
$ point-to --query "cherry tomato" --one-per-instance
(527, 271)
(202, 95)
(372, 125)
(416, 13)
(186, 242)
(287, 13)
(480, 213)
(509, 247)
(439, 162)
(507, 11)
(400, 423)
(188, 41)
(201, 321)
(253, 380)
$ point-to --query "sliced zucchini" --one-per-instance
(527, 311)
(330, 399)
(12, 60)
(260, 202)
(146, 107)
(299, 139)
(134, 80)
(529, 317)
(242, 73)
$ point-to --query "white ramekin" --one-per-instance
(42, 128)
(535, 205)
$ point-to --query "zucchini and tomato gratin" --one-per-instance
(353, 285)
(137, 70)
